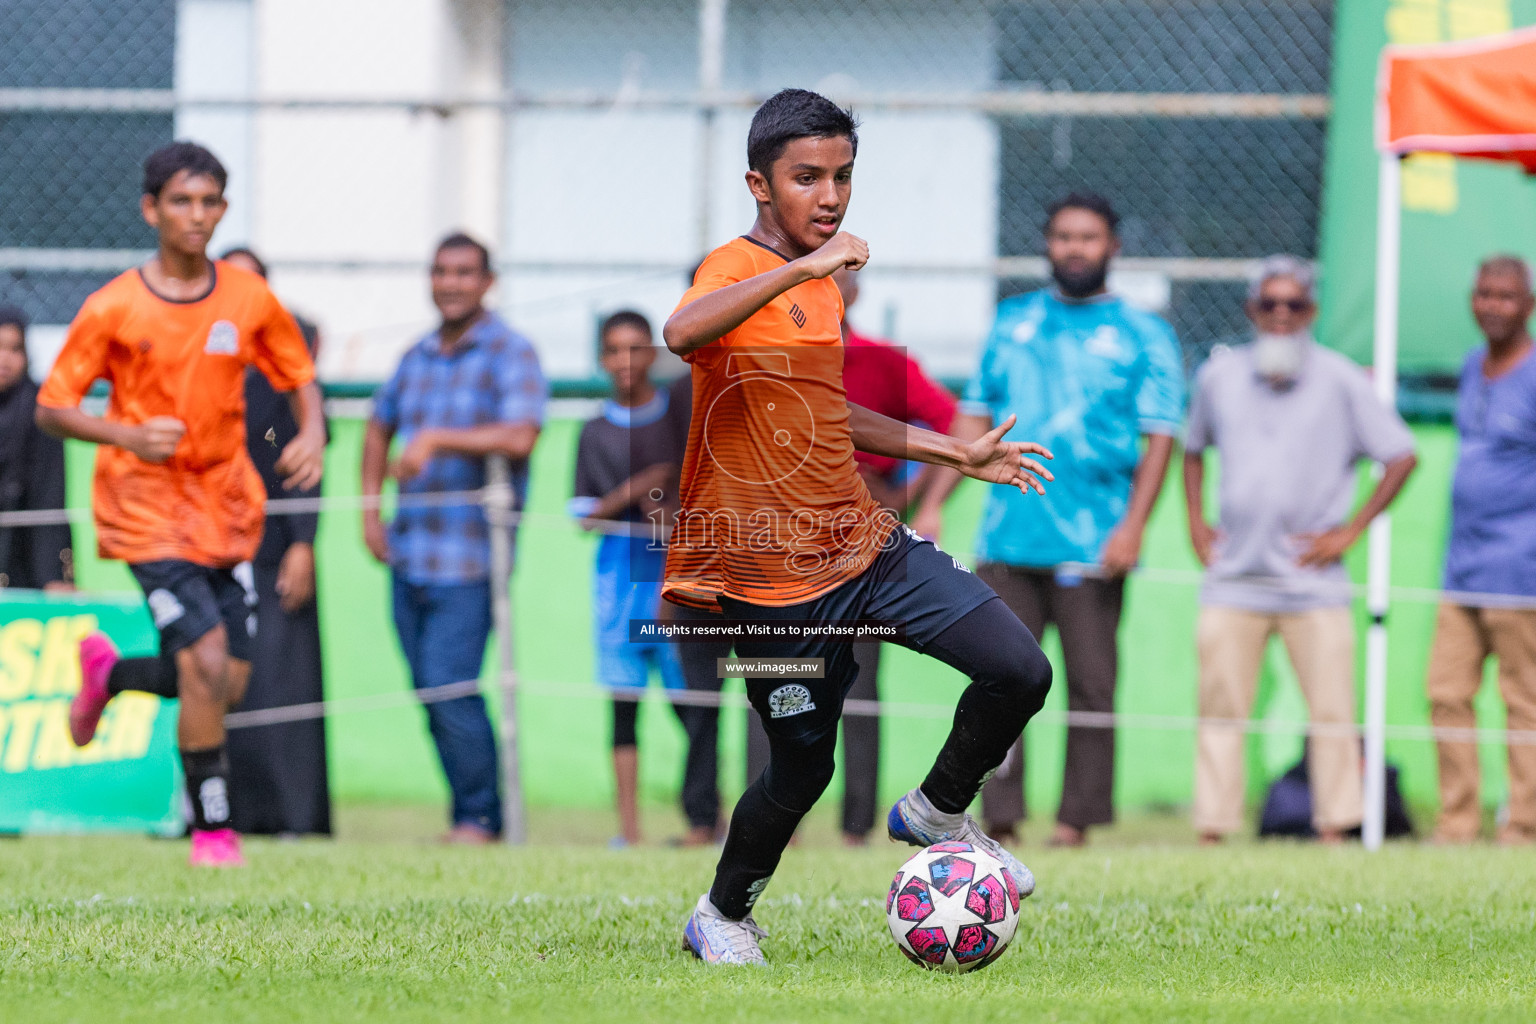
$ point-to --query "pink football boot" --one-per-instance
(97, 656)
(216, 848)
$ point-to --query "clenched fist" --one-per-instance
(841, 250)
(155, 439)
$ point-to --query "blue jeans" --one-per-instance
(443, 629)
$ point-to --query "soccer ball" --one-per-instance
(952, 908)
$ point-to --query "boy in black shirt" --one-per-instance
(627, 463)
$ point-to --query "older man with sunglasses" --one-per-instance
(1289, 420)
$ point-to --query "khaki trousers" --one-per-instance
(1321, 644)
(1464, 638)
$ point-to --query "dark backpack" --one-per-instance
(1288, 807)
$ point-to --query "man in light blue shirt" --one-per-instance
(1100, 384)
(1489, 609)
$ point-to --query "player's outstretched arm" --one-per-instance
(720, 312)
(154, 440)
(988, 458)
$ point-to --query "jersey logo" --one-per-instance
(223, 339)
(1105, 342)
(793, 699)
(797, 314)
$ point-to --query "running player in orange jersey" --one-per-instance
(778, 529)
(176, 495)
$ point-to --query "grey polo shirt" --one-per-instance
(1288, 467)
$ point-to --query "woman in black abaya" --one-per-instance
(31, 474)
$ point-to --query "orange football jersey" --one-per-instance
(184, 359)
(773, 509)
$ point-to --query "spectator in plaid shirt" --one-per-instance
(470, 389)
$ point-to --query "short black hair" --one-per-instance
(460, 240)
(241, 250)
(792, 114)
(624, 318)
(12, 316)
(166, 162)
(1503, 263)
(1090, 201)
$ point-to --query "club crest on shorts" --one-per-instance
(223, 339)
(792, 699)
(164, 607)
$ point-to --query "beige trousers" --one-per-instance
(1464, 639)
(1231, 644)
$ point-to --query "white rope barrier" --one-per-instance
(864, 709)
(1345, 591)
(706, 698)
(348, 705)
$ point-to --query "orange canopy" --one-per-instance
(1472, 98)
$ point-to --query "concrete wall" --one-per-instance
(370, 186)
(622, 188)
(591, 209)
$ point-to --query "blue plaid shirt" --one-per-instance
(491, 376)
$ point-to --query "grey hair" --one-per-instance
(1506, 263)
(1303, 272)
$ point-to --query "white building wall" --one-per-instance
(215, 60)
(352, 199)
(588, 210)
(620, 188)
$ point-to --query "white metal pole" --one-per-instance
(711, 77)
(498, 503)
(1379, 574)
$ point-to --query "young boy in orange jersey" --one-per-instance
(777, 527)
(176, 495)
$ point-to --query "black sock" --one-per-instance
(760, 830)
(147, 675)
(1009, 680)
(207, 773)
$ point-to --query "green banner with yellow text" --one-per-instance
(126, 778)
(1455, 212)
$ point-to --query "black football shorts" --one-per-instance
(912, 584)
(187, 600)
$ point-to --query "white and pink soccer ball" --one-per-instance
(953, 908)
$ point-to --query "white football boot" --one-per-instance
(714, 938)
(916, 822)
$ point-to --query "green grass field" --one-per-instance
(381, 929)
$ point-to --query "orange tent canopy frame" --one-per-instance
(1473, 98)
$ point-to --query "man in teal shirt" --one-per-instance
(1102, 386)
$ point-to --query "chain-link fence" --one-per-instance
(598, 144)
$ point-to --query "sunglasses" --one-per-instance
(1294, 305)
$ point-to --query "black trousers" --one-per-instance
(1087, 616)
(278, 772)
(861, 746)
(701, 769)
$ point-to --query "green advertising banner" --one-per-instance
(126, 778)
(1455, 212)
